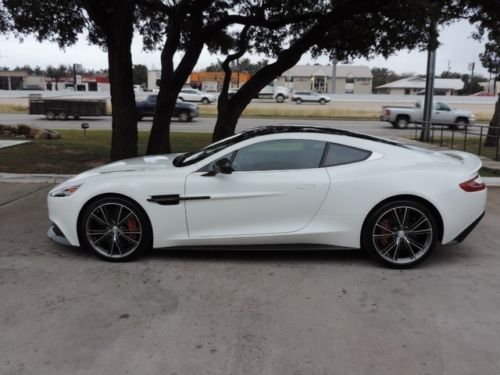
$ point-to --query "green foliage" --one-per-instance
(140, 73)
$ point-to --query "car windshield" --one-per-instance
(196, 156)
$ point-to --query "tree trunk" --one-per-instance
(117, 25)
(227, 119)
(172, 81)
(494, 129)
(124, 120)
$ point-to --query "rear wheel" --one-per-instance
(402, 122)
(322, 101)
(62, 115)
(115, 229)
(280, 98)
(400, 234)
(298, 101)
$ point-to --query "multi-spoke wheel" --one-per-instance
(115, 229)
(400, 234)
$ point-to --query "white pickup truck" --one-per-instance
(442, 114)
(271, 91)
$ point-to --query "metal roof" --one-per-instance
(343, 71)
(419, 83)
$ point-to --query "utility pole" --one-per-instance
(471, 67)
(334, 75)
(429, 83)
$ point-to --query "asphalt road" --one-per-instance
(206, 124)
(62, 311)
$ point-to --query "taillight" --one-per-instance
(475, 184)
(387, 112)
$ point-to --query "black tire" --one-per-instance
(298, 101)
(461, 124)
(184, 116)
(62, 115)
(51, 115)
(181, 98)
(322, 101)
(392, 236)
(205, 101)
(131, 228)
(280, 98)
(402, 122)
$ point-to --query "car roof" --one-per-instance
(267, 130)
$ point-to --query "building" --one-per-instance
(20, 79)
(350, 79)
(416, 86)
(212, 81)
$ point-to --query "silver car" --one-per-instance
(309, 96)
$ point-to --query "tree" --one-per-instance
(57, 73)
(486, 14)
(192, 25)
(375, 27)
(140, 73)
(109, 24)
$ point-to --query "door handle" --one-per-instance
(306, 186)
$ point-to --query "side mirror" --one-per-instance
(223, 166)
(220, 166)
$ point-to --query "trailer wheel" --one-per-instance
(62, 115)
(51, 115)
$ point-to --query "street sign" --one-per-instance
(471, 66)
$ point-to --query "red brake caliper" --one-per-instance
(132, 227)
(384, 241)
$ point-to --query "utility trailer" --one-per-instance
(62, 108)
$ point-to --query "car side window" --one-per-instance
(288, 154)
(339, 155)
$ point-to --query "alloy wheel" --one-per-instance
(113, 230)
(402, 235)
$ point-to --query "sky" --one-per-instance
(457, 50)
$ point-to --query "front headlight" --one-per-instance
(65, 191)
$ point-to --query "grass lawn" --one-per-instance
(74, 153)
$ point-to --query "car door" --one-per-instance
(276, 187)
(441, 114)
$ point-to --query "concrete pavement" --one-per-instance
(63, 311)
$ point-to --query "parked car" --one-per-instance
(279, 186)
(183, 111)
(271, 91)
(193, 95)
(401, 117)
(483, 93)
(309, 96)
(32, 88)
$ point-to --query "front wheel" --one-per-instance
(400, 234)
(205, 101)
(184, 116)
(322, 101)
(115, 229)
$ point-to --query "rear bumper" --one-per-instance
(466, 231)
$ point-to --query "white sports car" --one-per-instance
(280, 185)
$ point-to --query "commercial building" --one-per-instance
(350, 79)
(416, 86)
(212, 81)
(20, 79)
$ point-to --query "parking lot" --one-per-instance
(193, 312)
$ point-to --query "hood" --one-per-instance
(140, 164)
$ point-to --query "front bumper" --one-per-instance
(56, 235)
(194, 113)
